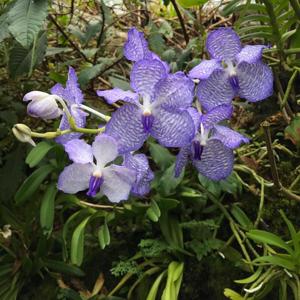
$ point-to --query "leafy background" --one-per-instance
(190, 238)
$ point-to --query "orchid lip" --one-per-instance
(94, 185)
(197, 150)
(147, 120)
(234, 82)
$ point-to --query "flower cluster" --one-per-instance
(160, 105)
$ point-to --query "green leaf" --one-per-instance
(4, 33)
(91, 72)
(241, 217)
(228, 293)
(47, 209)
(22, 60)
(38, 153)
(161, 156)
(26, 19)
(190, 3)
(262, 236)
(292, 131)
(119, 82)
(153, 212)
(32, 183)
(63, 267)
(104, 236)
(284, 262)
(168, 182)
(251, 278)
(77, 243)
(154, 289)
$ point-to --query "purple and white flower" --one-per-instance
(232, 71)
(73, 97)
(136, 48)
(158, 107)
(144, 174)
(42, 105)
(211, 150)
(91, 170)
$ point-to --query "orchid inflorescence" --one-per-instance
(160, 105)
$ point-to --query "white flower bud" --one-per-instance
(23, 134)
(42, 105)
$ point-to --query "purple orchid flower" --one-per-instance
(136, 48)
(91, 171)
(144, 174)
(233, 71)
(211, 150)
(73, 96)
(157, 108)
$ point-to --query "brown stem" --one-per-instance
(100, 36)
(50, 17)
(266, 127)
(186, 37)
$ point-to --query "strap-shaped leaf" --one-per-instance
(269, 238)
(26, 19)
(77, 243)
(47, 209)
(31, 184)
(38, 153)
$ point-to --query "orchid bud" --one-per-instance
(23, 134)
(42, 105)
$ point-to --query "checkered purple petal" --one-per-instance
(126, 127)
(136, 46)
(174, 92)
(195, 116)
(116, 94)
(75, 178)
(230, 138)
(72, 93)
(215, 90)
(216, 161)
(250, 54)
(216, 115)
(182, 159)
(144, 175)
(79, 151)
(255, 81)
(223, 43)
(145, 74)
(117, 183)
(173, 129)
(205, 69)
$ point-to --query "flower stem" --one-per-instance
(100, 205)
(186, 37)
(93, 111)
(288, 89)
(64, 105)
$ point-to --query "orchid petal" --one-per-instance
(174, 92)
(223, 44)
(75, 178)
(205, 69)
(136, 46)
(230, 138)
(79, 151)
(251, 54)
(255, 81)
(216, 90)
(216, 115)
(182, 159)
(145, 74)
(173, 129)
(116, 94)
(117, 183)
(216, 160)
(105, 149)
(126, 127)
